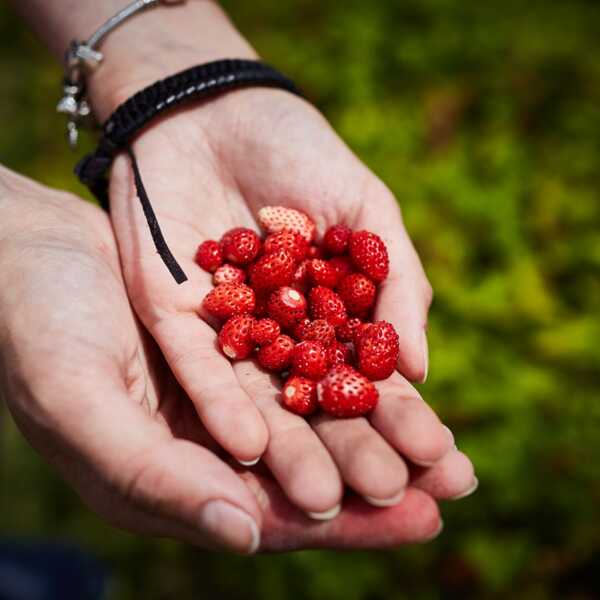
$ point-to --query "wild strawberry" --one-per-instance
(235, 337)
(326, 304)
(344, 392)
(229, 299)
(229, 274)
(369, 255)
(345, 331)
(342, 266)
(322, 273)
(318, 331)
(377, 350)
(240, 245)
(291, 241)
(277, 356)
(300, 279)
(209, 255)
(338, 354)
(276, 218)
(301, 327)
(287, 306)
(315, 252)
(310, 360)
(271, 271)
(336, 238)
(358, 293)
(359, 331)
(299, 395)
(265, 331)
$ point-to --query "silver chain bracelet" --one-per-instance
(84, 56)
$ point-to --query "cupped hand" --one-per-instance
(91, 392)
(211, 167)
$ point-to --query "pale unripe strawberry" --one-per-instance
(277, 218)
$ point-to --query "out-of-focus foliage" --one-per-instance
(484, 119)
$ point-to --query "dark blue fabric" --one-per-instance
(49, 571)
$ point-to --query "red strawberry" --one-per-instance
(345, 331)
(209, 255)
(277, 356)
(310, 360)
(318, 331)
(299, 395)
(276, 218)
(369, 255)
(229, 299)
(240, 245)
(326, 304)
(301, 327)
(322, 273)
(235, 337)
(315, 252)
(344, 392)
(378, 349)
(336, 238)
(287, 306)
(358, 293)
(265, 331)
(229, 274)
(291, 241)
(272, 271)
(342, 265)
(300, 278)
(338, 354)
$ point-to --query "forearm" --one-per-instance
(152, 45)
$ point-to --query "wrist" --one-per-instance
(159, 43)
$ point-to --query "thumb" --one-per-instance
(127, 467)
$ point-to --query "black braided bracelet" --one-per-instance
(132, 116)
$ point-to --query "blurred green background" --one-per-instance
(484, 119)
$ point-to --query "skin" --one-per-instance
(209, 167)
(91, 392)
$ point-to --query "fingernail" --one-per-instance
(436, 533)
(232, 526)
(470, 490)
(248, 463)
(425, 350)
(382, 502)
(326, 515)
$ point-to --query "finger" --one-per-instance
(450, 478)
(405, 296)
(226, 410)
(407, 422)
(129, 469)
(295, 456)
(169, 311)
(368, 464)
(359, 525)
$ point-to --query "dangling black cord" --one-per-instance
(155, 231)
(133, 115)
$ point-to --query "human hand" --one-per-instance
(212, 167)
(91, 392)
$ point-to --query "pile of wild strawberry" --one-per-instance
(304, 309)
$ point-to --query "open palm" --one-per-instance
(90, 390)
(212, 167)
